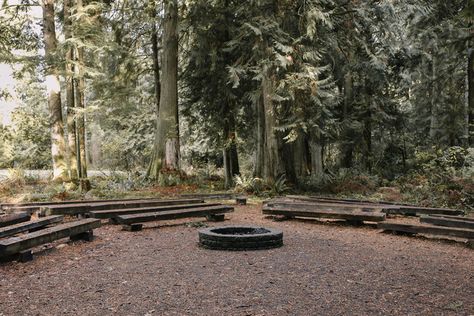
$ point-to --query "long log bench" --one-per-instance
(113, 213)
(392, 208)
(464, 218)
(448, 222)
(353, 217)
(81, 229)
(239, 199)
(47, 203)
(11, 219)
(135, 222)
(427, 229)
(75, 209)
(328, 206)
(29, 226)
(345, 200)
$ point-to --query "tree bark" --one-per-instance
(347, 142)
(470, 120)
(58, 142)
(166, 153)
(260, 138)
(154, 47)
(73, 163)
(80, 103)
(231, 160)
(434, 107)
(316, 150)
(272, 166)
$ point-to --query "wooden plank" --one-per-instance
(39, 206)
(74, 209)
(428, 229)
(126, 211)
(327, 206)
(463, 218)
(209, 196)
(350, 216)
(345, 200)
(415, 210)
(389, 207)
(176, 214)
(45, 203)
(15, 245)
(448, 222)
(11, 219)
(26, 226)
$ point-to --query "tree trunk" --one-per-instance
(470, 119)
(58, 142)
(73, 163)
(154, 47)
(316, 150)
(260, 138)
(434, 107)
(347, 141)
(166, 148)
(272, 166)
(300, 156)
(231, 160)
(80, 103)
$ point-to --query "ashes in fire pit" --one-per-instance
(240, 238)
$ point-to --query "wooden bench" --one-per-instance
(353, 217)
(75, 209)
(459, 222)
(11, 219)
(388, 208)
(37, 205)
(134, 222)
(29, 226)
(239, 199)
(81, 229)
(113, 213)
(427, 229)
(326, 206)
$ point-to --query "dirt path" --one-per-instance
(323, 269)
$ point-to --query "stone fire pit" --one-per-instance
(240, 238)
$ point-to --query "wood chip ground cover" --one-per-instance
(323, 269)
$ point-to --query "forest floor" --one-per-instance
(323, 269)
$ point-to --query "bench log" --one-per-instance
(13, 245)
(355, 216)
(28, 226)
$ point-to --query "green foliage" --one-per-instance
(279, 187)
(249, 184)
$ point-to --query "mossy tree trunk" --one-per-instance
(58, 142)
(166, 154)
(470, 110)
(273, 166)
(70, 102)
(80, 103)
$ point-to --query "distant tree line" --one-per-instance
(295, 89)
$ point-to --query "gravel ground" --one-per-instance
(323, 269)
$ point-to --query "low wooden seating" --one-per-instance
(29, 226)
(11, 219)
(427, 229)
(83, 208)
(78, 229)
(126, 211)
(353, 216)
(211, 212)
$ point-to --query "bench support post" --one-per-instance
(133, 227)
(86, 236)
(215, 217)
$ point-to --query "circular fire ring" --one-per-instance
(240, 238)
